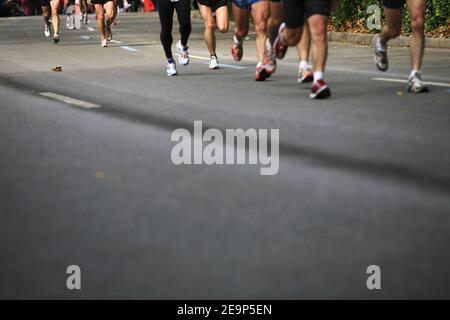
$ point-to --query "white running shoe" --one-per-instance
(183, 54)
(416, 84)
(213, 63)
(104, 43)
(171, 69)
(55, 38)
(47, 31)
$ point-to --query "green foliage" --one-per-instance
(437, 13)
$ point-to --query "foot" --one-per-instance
(237, 51)
(213, 63)
(171, 69)
(380, 55)
(47, 31)
(183, 54)
(305, 74)
(55, 38)
(104, 43)
(416, 84)
(261, 73)
(279, 46)
(109, 34)
(320, 90)
(269, 61)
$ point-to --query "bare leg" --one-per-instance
(260, 13)
(417, 13)
(55, 15)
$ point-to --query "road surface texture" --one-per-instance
(364, 177)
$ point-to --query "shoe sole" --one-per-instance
(325, 93)
(263, 75)
(378, 66)
(305, 80)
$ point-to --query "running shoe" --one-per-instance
(416, 84)
(305, 74)
(47, 31)
(269, 61)
(213, 63)
(280, 47)
(104, 43)
(261, 73)
(70, 23)
(171, 69)
(183, 54)
(55, 38)
(237, 51)
(380, 56)
(109, 34)
(320, 90)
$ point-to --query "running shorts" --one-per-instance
(43, 3)
(100, 1)
(213, 4)
(393, 4)
(245, 4)
(295, 11)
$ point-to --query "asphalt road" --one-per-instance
(364, 176)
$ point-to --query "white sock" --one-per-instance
(303, 65)
(236, 41)
(318, 75)
(413, 73)
(379, 45)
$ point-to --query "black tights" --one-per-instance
(166, 11)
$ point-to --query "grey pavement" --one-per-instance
(364, 176)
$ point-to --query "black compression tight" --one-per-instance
(166, 11)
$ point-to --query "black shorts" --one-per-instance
(295, 11)
(100, 1)
(43, 3)
(393, 4)
(213, 4)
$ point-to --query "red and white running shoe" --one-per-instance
(279, 46)
(320, 90)
(237, 51)
(305, 75)
(269, 61)
(261, 72)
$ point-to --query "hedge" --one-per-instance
(437, 13)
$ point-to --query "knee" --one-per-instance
(275, 21)
(417, 23)
(209, 25)
(46, 14)
(394, 32)
(241, 33)
(318, 28)
(260, 27)
(222, 27)
(292, 38)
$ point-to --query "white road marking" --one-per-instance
(223, 65)
(69, 100)
(115, 41)
(90, 28)
(437, 84)
(129, 48)
(86, 37)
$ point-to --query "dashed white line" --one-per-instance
(115, 41)
(69, 100)
(437, 84)
(129, 48)
(90, 28)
